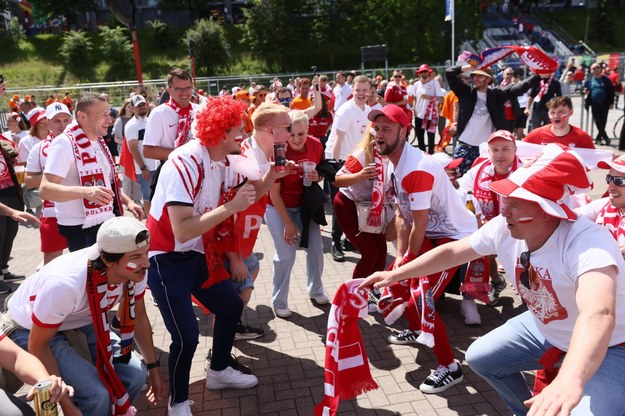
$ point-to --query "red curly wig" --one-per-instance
(217, 116)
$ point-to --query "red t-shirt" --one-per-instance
(318, 126)
(395, 93)
(292, 186)
(576, 136)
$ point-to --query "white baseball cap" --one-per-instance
(119, 235)
(56, 108)
(137, 100)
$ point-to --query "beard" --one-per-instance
(388, 147)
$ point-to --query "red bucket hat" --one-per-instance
(423, 68)
(557, 173)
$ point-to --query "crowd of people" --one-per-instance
(198, 175)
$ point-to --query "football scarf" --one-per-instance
(377, 192)
(184, 121)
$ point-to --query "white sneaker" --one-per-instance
(321, 300)
(229, 379)
(468, 309)
(282, 312)
(180, 409)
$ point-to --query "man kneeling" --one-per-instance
(75, 292)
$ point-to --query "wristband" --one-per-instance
(155, 364)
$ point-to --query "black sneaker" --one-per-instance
(234, 363)
(247, 332)
(337, 253)
(4, 288)
(496, 289)
(404, 337)
(441, 379)
(348, 246)
(11, 276)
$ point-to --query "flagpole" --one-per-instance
(453, 31)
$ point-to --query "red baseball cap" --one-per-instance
(557, 173)
(393, 113)
(423, 68)
(501, 134)
(446, 161)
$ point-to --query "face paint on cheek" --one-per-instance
(131, 267)
(525, 220)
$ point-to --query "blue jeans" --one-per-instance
(284, 258)
(173, 278)
(90, 395)
(500, 356)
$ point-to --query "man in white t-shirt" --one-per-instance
(74, 293)
(169, 124)
(134, 135)
(428, 95)
(80, 175)
(190, 211)
(429, 213)
(341, 91)
(350, 122)
(570, 274)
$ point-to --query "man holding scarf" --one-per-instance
(569, 272)
(69, 299)
(429, 213)
(80, 175)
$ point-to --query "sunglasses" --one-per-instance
(286, 126)
(285, 100)
(396, 76)
(525, 274)
(617, 180)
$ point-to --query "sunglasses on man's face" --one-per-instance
(617, 180)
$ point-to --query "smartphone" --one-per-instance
(1, 79)
(314, 69)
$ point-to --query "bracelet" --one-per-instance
(144, 167)
(155, 364)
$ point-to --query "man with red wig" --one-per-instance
(188, 208)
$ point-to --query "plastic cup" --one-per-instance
(308, 167)
(20, 171)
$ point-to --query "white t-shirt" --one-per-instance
(421, 183)
(56, 296)
(61, 162)
(179, 184)
(162, 126)
(35, 164)
(360, 191)
(480, 126)
(431, 88)
(135, 130)
(574, 248)
(351, 120)
(25, 146)
(341, 94)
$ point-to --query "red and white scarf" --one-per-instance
(612, 218)
(544, 85)
(6, 180)
(489, 201)
(377, 192)
(91, 173)
(476, 279)
(48, 206)
(184, 121)
(97, 287)
(347, 372)
(431, 116)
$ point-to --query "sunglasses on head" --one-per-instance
(525, 274)
(617, 180)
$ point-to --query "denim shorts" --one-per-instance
(252, 263)
(145, 185)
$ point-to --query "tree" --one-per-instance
(603, 27)
(16, 32)
(67, 8)
(197, 8)
(211, 48)
(117, 49)
(77, 54)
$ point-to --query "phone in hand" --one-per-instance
(314, 69)
(1, 79)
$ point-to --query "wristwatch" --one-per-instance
(143, 167)
(155, 364)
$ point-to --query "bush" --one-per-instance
(16, 32)
(117, 49)
(78, 56)
(211, 48)
(161, 33)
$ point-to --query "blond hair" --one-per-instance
(298, 116)
(366, 144)
(264, 113)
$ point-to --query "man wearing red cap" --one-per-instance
(480, 109)
(571, 275)
(428, 94)
(429, 213)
